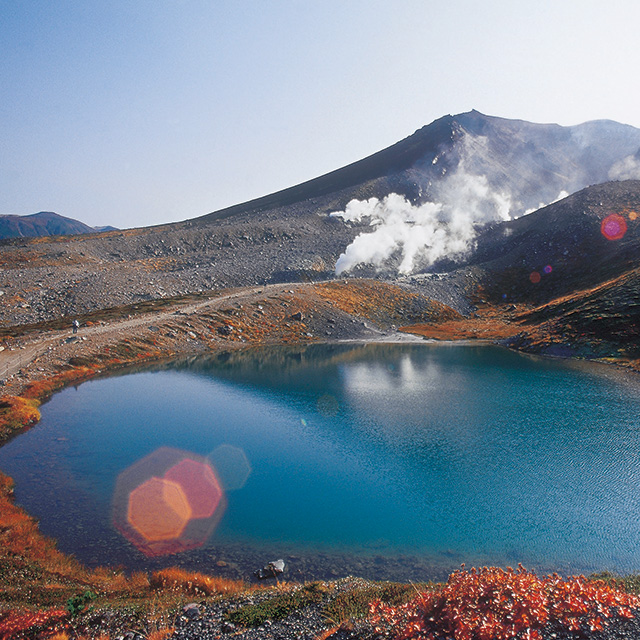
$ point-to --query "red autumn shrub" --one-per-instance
(496, 604)
(15, 623)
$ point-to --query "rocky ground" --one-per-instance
(266, 278)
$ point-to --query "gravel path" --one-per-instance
(51, 348)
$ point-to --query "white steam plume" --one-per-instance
(626, 169)
(418, 235)
(561, 196)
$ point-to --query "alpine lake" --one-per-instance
(387, 461)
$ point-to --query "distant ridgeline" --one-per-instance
(45, 223)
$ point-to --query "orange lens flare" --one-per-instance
(535, 277)
(613, 227)
(168, 502)
(199, 484)
(158, 510)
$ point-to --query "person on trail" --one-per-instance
(76, 326)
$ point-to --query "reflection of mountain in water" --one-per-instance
(291, 366)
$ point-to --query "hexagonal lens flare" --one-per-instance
(232, 465)
(158, 496)
(200, 484)
(170, 501)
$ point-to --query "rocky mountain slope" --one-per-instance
(568, 244)
(530, 162)
(291, 236)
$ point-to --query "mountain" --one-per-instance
(532, 163)
(44, 223)
(568, 243)
(468, 180)
(422, 200)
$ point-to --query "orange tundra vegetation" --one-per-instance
(194, 583)
(487, 323)
(38, 582)
(381, 302)
(16, 414)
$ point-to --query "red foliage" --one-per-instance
(15, 623)
(496, 604)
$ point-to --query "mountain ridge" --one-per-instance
(260, 243)
(415, 155)
(43, 223)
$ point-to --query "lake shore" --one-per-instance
(37, 362)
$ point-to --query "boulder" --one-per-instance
(271, 570)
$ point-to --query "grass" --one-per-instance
(337, 603)
(278, 607)
(193, 583)
(16, 415)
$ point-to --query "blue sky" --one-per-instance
(133, 113)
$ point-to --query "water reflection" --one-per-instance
(433, 454)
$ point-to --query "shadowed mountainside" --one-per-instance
(44, 223)
(565, 238)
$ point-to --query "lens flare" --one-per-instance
(328, 406)
(168, 502)
(232, 465)
(199, 484)
(613, 227)
(535, 277)
(158, 496)
(548, 269)
(633, 215)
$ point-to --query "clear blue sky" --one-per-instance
(138, 112)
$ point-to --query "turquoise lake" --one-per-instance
(391, 461)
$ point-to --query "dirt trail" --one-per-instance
(27, 350)
(230, 319)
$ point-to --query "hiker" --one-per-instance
(76, 326)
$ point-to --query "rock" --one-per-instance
(131, 635)
(298, 315)
(191, 611)
(225, 330)
(271, 570)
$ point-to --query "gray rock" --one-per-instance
(271, 570)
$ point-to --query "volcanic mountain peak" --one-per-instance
(531, 163)
(421, 205)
